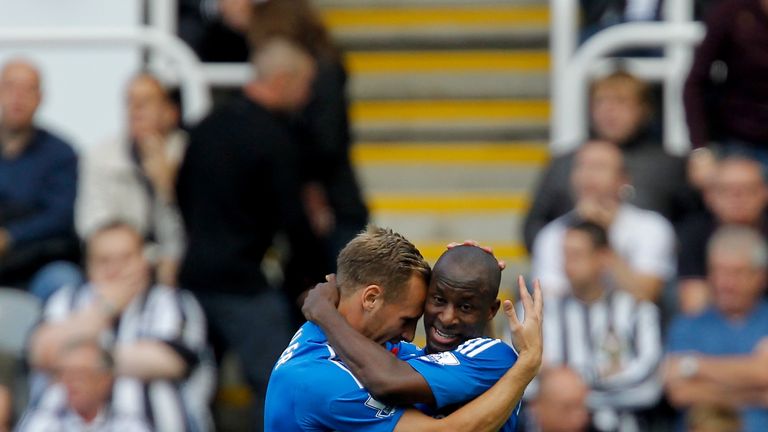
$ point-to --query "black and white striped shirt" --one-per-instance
(161, 314)
(614, 343)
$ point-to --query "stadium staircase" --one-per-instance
(450, 112)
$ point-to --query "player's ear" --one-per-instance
(372, 297)
(494, 309)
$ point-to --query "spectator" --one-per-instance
(38, 181)
(81, 401)
(705, 418)
(642, 241)
(718, 357)
(738, 195)
(132, 178)
(727, 88)
(158, 332)
(621, 112)
(619, 354)
(331, 194)
(560, 405)
(239, 185)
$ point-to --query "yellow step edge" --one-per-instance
(469, 110)
(446, 61)
(462, 153)
(505, 251)
(419, 203)
(423, 17)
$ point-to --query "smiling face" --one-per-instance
(461, 299)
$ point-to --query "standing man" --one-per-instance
(358, 384)
(38, 181)
(239, 186)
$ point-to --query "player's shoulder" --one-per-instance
(486, 348)
(404, 350)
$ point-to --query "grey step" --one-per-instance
(447, 178)
(450, 85)
(484, 227)
(451, 131)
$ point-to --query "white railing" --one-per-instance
(162, 16)
(194, 86)
(573, 68)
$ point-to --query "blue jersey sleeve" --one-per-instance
(461, 375)
(338, 402)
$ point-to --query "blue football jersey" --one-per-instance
(456, 377)
(311, 390)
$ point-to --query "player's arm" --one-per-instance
(387, 378)
(489, 411)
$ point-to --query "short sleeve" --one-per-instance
(653, 251)
(463, 374)
(337, 401)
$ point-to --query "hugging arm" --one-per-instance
(387, 378)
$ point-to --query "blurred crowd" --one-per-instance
(146, 250)
(655, 265)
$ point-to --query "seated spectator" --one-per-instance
(738, 195)
(620, 113)
(81, 398)
(560, 404)
(38, 181)
(727, 86)
(619, 354)
(642, 241)
(712, 418)
(132, 178)
(718, 357)
(158, 332)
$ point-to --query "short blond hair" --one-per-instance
(379, 256)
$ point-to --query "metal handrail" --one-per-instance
(195, 91)
(572, 68)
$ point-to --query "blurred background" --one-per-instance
(503, 121)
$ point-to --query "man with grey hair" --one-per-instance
(81, 399)
(239, 185)
(719, 356)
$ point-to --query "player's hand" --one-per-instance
(502, 263)
(527, 336)
(320, 298)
